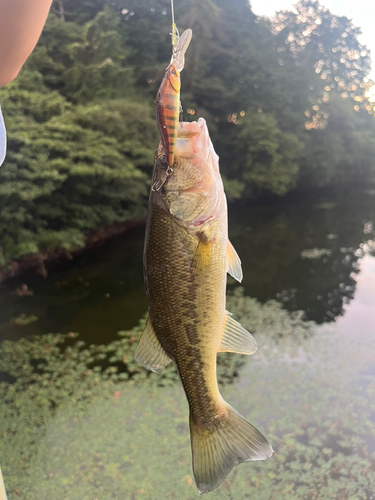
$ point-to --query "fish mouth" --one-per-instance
(193, 139)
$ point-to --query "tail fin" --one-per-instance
(216, 450)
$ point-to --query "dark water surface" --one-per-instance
(305, 252)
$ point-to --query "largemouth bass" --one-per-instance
(186, 259)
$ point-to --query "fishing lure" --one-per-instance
(167, 103)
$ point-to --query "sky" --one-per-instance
(361, 12)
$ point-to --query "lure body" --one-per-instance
(167, 109)
(167, 102)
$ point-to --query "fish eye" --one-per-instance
(173, 72)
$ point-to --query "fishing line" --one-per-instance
(174, 28)
(124, 13)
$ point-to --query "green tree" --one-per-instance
(329, 44)
(73, 167)
(266, 158)
(341, 152)
(284, 101)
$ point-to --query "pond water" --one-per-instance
(84, 422)
(304, 252)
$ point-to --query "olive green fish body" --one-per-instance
(186, 259)
(186, 307)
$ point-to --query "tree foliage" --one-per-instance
(327, 43)
(284, 99)
(266, 157)
(78, 152)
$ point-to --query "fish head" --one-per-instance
(173, 76)
(194, 194)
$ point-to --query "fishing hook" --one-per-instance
(158, 184)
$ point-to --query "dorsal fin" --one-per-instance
(233, 262)
(236, 338)
(149, 352)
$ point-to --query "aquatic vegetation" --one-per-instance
(315, 253)
(327, 205)
(23, 319)
(76, 424)
(269, 319)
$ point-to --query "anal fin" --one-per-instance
(149, 352)
(236, 338)
(233, 262)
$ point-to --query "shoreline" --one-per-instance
(41, 260)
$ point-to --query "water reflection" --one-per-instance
(304, 252)
(98, 293)
(359, 315)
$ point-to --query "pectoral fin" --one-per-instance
(233, 262)
(203, 255)
(236, 338)
(149, 352)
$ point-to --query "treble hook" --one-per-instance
(159, 184)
